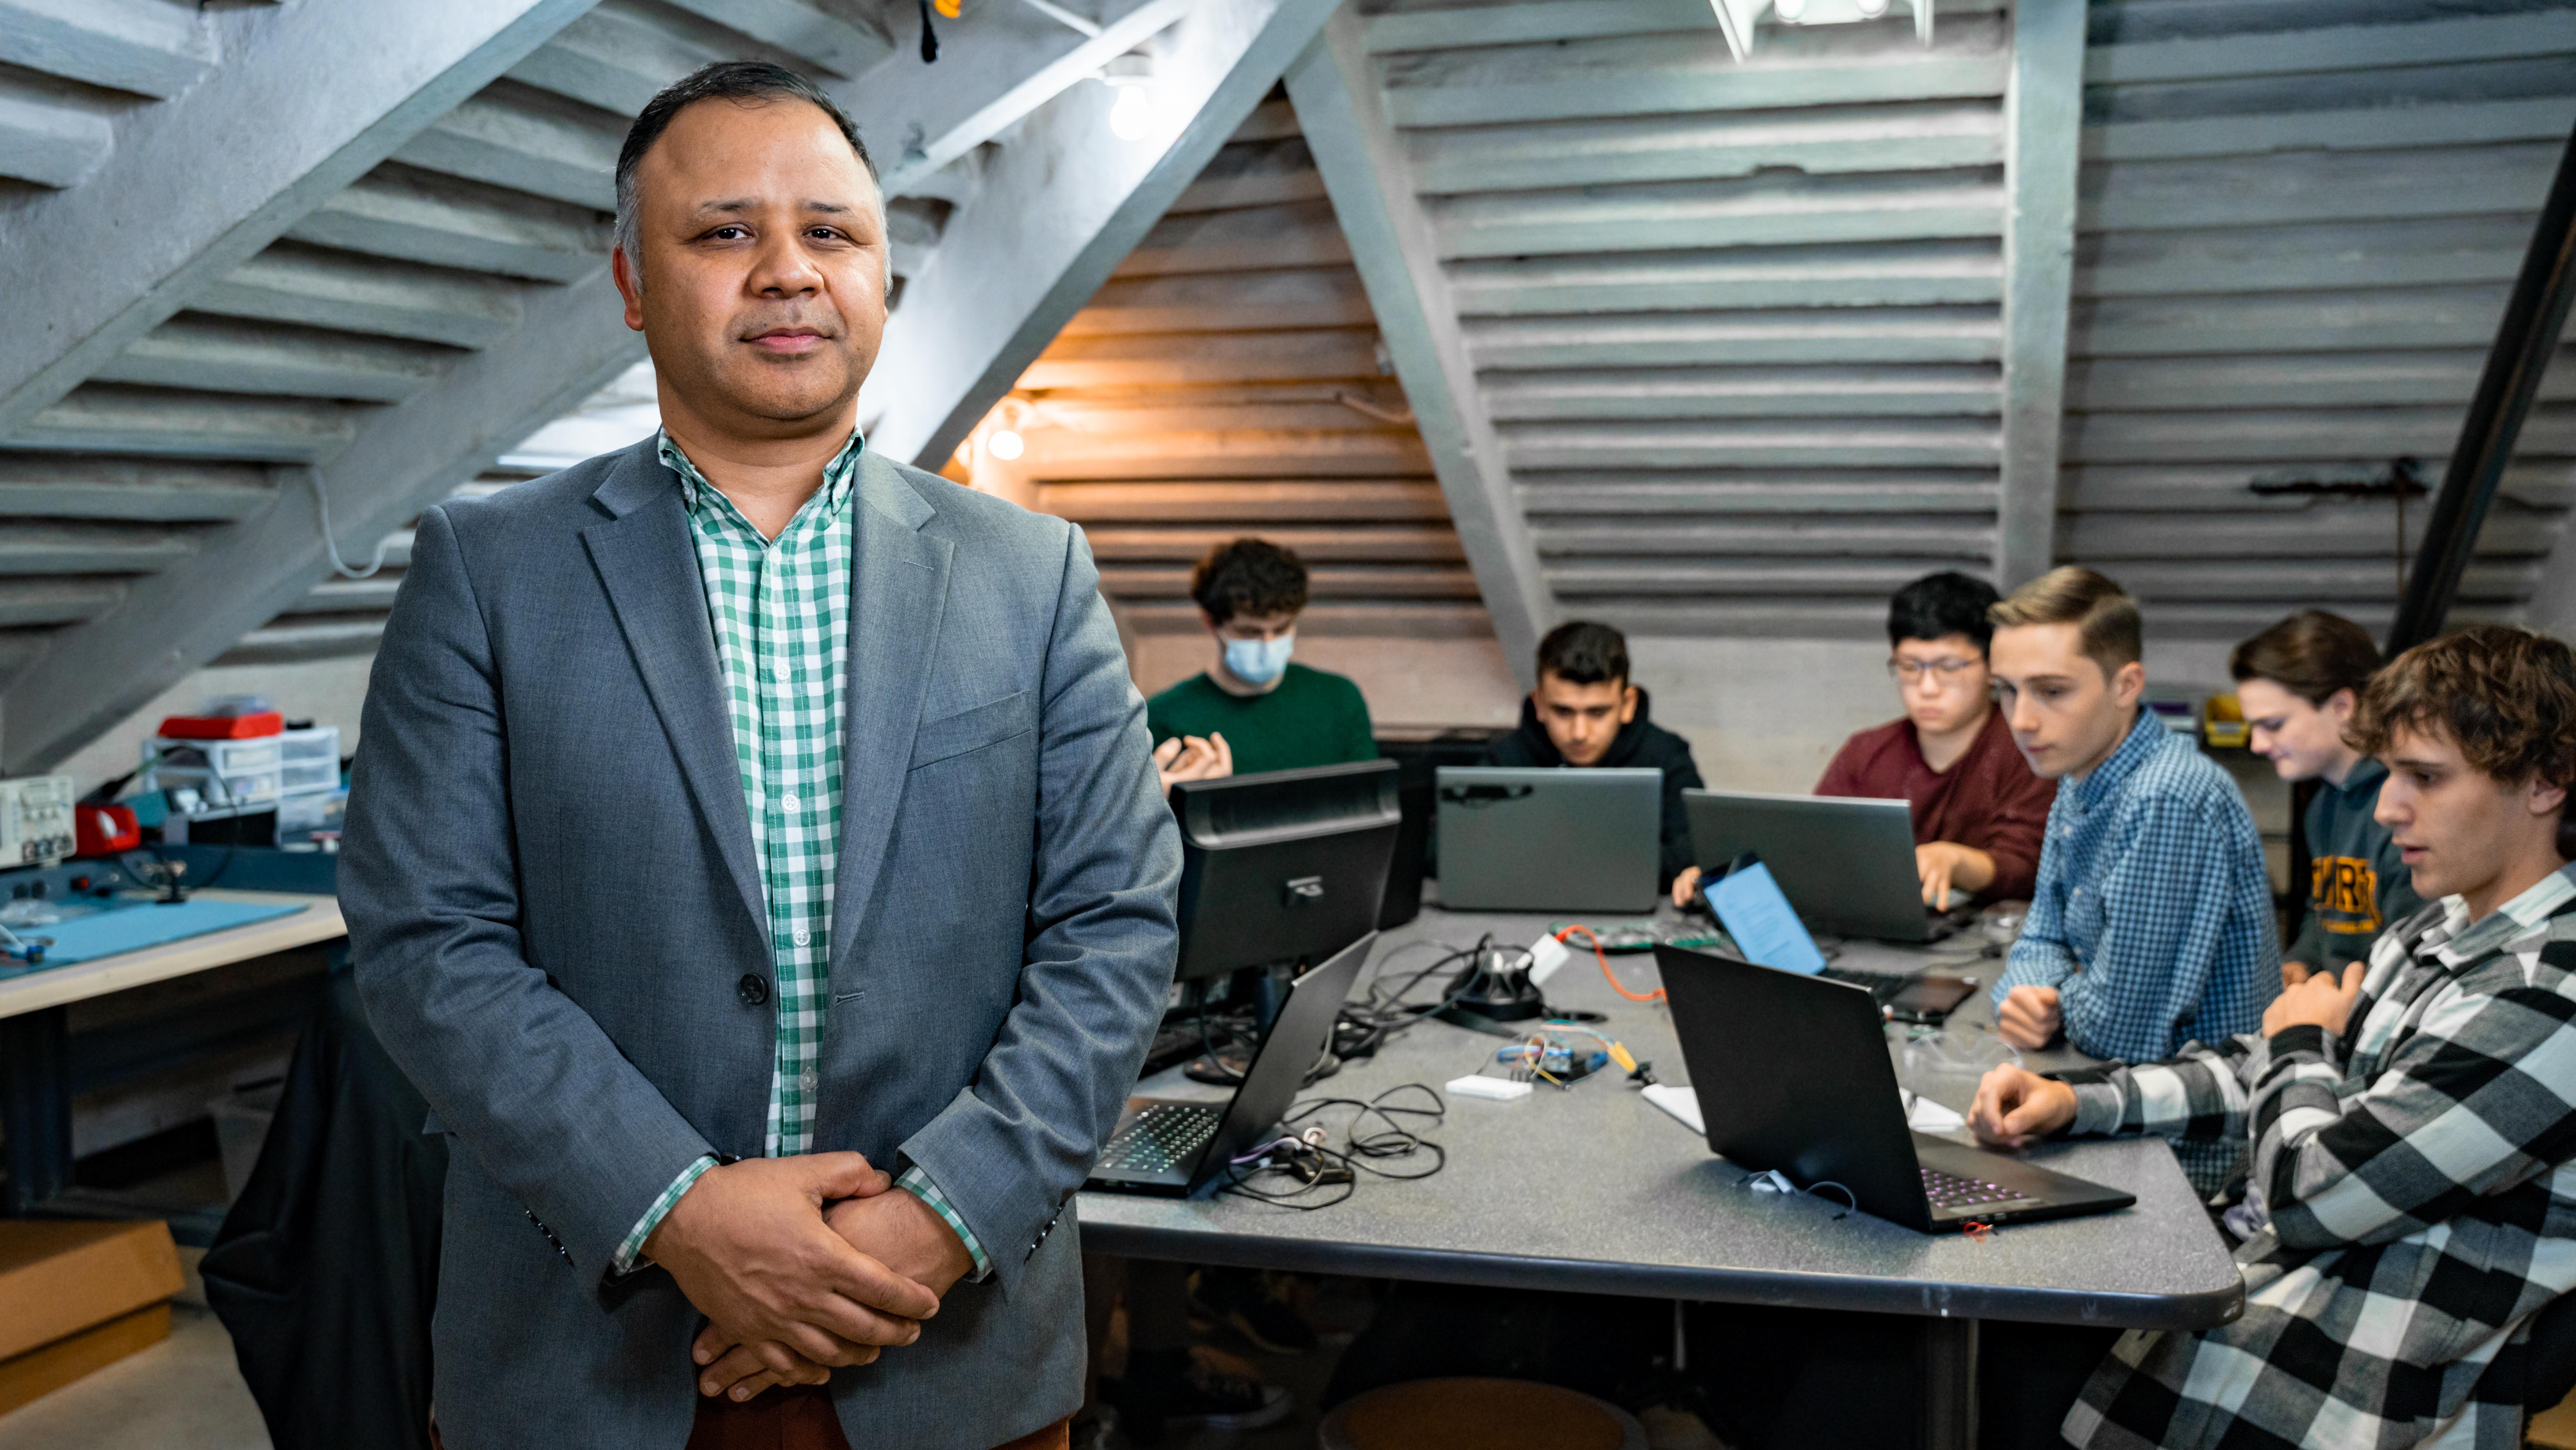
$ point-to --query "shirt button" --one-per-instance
(803, 936)
(808, 1079)
(788, 801)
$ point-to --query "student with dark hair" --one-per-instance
(2151, 923)
(2410, 1123)
(1978, 810)
(2300, 682)
(1586, 714)
(1253, 709)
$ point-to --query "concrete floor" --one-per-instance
(181, 1394)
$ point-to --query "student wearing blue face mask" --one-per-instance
(1254, 709)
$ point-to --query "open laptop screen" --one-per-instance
(1750, 906)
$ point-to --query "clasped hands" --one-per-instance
(802, 1265)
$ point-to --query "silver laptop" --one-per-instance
(1845, 863)
(1549, 838)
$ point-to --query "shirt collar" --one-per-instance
(2144, 739)
(2506, 923)
(838, 475)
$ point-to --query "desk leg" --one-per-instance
(35, 1110)
(1949, 1384)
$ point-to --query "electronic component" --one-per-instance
(1497, 1089)
(36, 820)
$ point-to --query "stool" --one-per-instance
(1477, 1414)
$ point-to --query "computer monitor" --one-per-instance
(1284, 866)
(1545, 838)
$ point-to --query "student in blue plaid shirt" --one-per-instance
(2152, 920)
(2411, 1123)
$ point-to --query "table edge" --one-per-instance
(2199, 1309)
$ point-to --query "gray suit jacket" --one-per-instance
(558, 932)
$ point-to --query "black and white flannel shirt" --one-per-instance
(2413, 1191)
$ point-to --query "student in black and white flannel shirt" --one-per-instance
(2412, 1202)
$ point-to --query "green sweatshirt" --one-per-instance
(2359, 886)
(1310, 718)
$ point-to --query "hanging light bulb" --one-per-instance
(1871, 9)
(1006, 444)
(1789, 10)
(1132, 117)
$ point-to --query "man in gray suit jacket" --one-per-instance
(756, 859)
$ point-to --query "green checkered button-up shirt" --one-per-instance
(780, 609)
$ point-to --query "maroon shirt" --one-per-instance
(1987, 799)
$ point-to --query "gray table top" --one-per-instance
(1594, 1189)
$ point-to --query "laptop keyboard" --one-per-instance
(1949, 1190)
(1163, 1135)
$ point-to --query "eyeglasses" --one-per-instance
(1915, 671)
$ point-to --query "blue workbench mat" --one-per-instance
(133, 928)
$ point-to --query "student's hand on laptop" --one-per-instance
(1947, 866)
(2016, 1107)
(2321, 1000)
(1684, 885)
(2029, 1019)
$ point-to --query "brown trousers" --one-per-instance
(799, 1417)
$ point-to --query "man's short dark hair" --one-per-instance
(1582, 653)
(1938, 606)
(754, 81)
(2311, 654)
(1252, 577)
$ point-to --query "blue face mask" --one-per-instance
(1259, 661)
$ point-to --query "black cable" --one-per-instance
(1310, 1164)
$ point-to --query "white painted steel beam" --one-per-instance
(405, 457)
(1056, 212)
(1362, 158)
(365, 78)
(2044, 118)
(147, 47)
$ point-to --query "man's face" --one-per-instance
(2458, 827)
(762, 283)
(1944, 683)
(1259, 627)
(2065, 714)
(2302, 741)
(1582, 720)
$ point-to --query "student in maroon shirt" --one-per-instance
(1979, 813)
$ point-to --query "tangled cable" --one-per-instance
(1565, 934)
(1310, 1162)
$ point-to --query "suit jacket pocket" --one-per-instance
(973, 729)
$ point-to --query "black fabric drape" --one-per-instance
(326, 1268)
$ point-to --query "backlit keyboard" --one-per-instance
(1162, 1135)
(1949, 1190)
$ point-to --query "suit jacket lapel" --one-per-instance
(649, 567)
(898, 593)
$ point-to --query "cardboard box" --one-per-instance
(42, 1371)
(58, 1280)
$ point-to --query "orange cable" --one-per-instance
(1603, 957)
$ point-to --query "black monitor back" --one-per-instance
(1417, 764)
(1286, 865)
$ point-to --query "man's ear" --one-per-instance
(630, 286)
(1628, 705)
(1210, 621)
(2128, 682)
(2542, 798)
(2340, 706)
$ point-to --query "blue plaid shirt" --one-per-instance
(2153, 914)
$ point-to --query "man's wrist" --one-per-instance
(634, 1251)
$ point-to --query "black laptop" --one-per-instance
(1792, 1073)
(1173, 1148)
